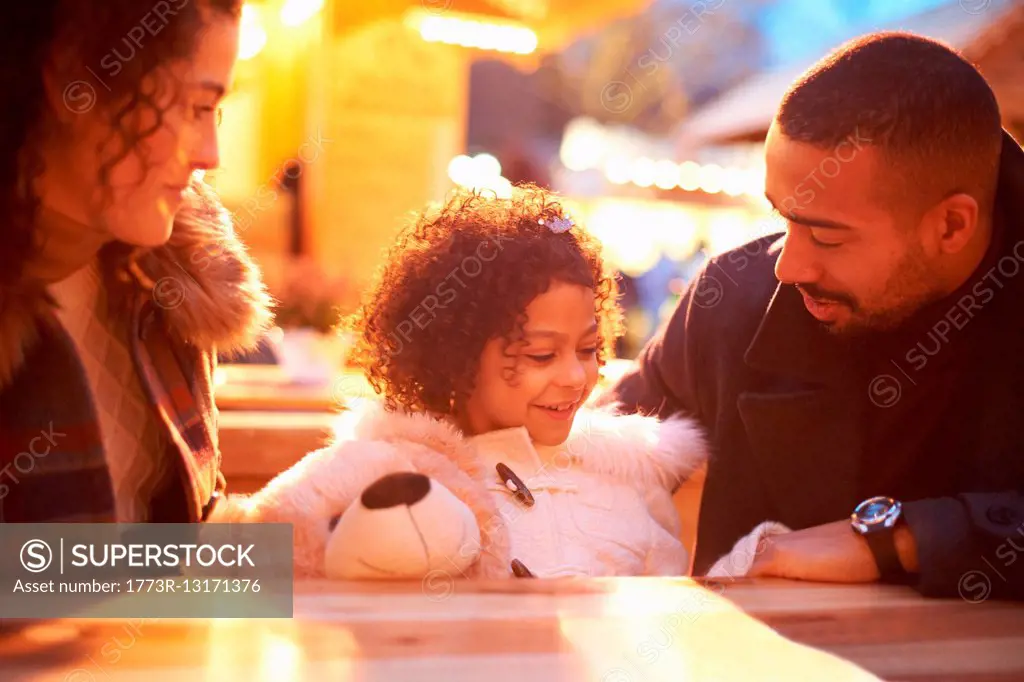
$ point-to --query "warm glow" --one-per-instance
(487, 165)
(581, 151)
(679, 631)
(666, 174)
(687, 227)
(502, 188)
(263, 652)
(711, 178)
(583, 144)
(689, 176)
(253, 36)
(734, 182)
(460, 170)
(753, 184)
(730, 228)
(281, 658)
(238, 174)
(473, 33)
(654, 634)
(617, 171)
(644, 172)
(295, 12)
(481, 173)
(627, 233)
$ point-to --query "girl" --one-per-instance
(484, 335)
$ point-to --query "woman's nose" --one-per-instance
(206, 152)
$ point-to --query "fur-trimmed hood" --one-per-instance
(641, 450)
(626, 468)
(206, 286)
(619, 472)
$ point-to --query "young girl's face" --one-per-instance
(555, 369)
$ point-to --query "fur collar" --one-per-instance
(636, 448)
(208, 288)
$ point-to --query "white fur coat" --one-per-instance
(602, 500)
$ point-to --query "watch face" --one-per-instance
(876, 513)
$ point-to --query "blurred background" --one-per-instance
(648, 116)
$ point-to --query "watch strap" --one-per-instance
(883, 546)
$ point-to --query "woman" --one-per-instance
(120, 275)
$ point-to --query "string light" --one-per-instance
(481, 173)
(473, 33)
(666, 175)
(643, 172)
(711, 178)
(689, 176)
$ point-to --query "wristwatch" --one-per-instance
(876, 519)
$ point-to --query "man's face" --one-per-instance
(859, 260)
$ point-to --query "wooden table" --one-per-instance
(617, 630)
(256, 446)
(270, 388)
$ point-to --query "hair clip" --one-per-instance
(558, 225)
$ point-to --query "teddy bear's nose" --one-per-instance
(396, 489)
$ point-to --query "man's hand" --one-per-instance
(829, 553)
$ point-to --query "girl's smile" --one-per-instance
(554, 368)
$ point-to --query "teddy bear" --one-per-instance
(387, 499)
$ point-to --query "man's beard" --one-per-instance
(869, 323)
(906, 293)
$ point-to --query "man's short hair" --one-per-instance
(927, 109)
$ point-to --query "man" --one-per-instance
(874, 349)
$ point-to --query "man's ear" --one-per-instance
(956, 222)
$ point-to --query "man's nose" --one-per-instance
(796, 263)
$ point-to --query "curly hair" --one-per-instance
(123, 39)
(460, 275)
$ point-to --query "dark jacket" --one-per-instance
(801, 425)
(187, 300)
